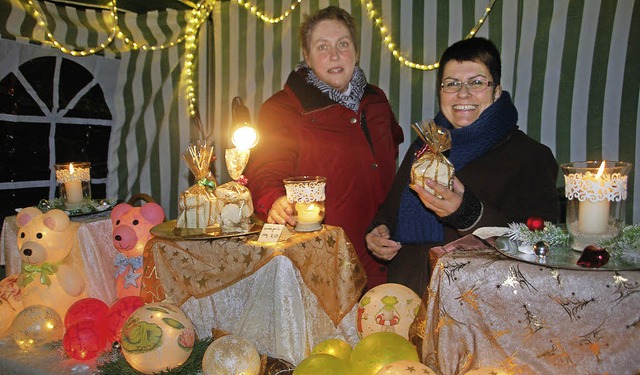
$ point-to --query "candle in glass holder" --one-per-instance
(307, 195)
(74, 181)
(308, 212)
(596, 193)
(73, 187)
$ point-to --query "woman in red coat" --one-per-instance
(328, 121)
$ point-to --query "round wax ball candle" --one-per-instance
(86, 309)
(405, 367)
(387, 308)
(36, 326)
(85, 339)
(379, 349)
(119, 312)
(231, 354)
(157, 337)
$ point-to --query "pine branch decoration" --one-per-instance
(551, 234)
(626, 246)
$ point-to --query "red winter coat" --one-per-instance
(303, 132)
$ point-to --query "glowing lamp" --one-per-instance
(244, 135)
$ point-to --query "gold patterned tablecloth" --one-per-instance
(326, 260)
(483, 309)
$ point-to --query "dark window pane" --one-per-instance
(91, 105)
(24, 155)
(15, 100)
(18, 198)
(39, 73)
(83, 143)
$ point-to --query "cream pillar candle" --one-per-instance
(593, 217)
(73, 187)
(308, 212)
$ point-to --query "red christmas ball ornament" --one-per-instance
(84, 340)
(86, 309)
(118, 314)
(535, 223)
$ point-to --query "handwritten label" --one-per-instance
(273, 233)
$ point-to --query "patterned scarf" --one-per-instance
(416, 223)
(350, 100)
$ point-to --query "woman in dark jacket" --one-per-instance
(501, 175)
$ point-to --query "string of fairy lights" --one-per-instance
(199, 14)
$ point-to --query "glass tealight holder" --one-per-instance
(74, 183)
(596, 194)
(307, 195)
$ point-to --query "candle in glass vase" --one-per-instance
(593, 216)
(73, 187)
(308, 212)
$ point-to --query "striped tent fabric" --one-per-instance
(150, 127)
(571, 66)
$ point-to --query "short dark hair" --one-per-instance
(328, 13)
(480, 50)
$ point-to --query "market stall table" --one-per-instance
(285, 297)
(484, 309)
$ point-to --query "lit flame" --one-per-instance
(600, 170)
(71, 168)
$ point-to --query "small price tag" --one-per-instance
(274, 233)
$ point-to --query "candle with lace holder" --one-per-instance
(596, 193)
(307, 195)
(74, 183)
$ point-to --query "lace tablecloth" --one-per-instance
(483, 309)
(285, 297)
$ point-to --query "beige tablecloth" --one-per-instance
(483, 309)
(285, 297)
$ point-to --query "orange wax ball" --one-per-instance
(86, 309)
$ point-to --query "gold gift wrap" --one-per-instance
(235, 207)
(198, 205)
(432, 163)
(198, 209)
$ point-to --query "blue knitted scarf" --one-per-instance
(416, 223)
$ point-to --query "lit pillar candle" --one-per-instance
(308, 212)
(73, 188)
(593, 217)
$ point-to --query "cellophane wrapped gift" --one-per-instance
(431, 163)
(198, 205)
(234, 199)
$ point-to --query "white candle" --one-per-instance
(74, 192)
(593, 217)
(73, 187)
(308, 212)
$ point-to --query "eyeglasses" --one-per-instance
(474, 85)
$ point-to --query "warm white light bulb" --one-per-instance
(245, 137)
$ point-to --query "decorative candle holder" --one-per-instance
(307, 193)
(597, 194)
(74, 183)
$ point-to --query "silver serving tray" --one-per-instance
(559, 257)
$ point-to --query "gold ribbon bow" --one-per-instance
(45, 270)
